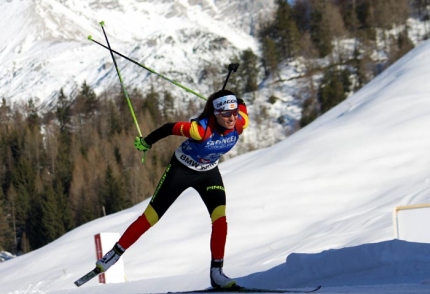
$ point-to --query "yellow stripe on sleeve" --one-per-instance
(245, 118)
(194, 131)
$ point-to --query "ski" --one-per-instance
(240, 289)
(87, 277)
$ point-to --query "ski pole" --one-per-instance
(121, 82)
(149, 69)
(231, 67)
(123, 87)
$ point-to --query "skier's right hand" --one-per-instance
(141, 145)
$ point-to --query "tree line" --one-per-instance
(76, 163)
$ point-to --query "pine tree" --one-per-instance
(84, 109)
(115, 125)
(35, 229)
(112, 193)
(63, 172)
(67, 218)
(23, 181)
(85, 187)
(33, 119)
(334, 87)
(319, 28)
(287, 34)
(11, 199)
(6, 230)
(359, 66)
(248, 70)
(168, 105)
(47, 222)
(64, 112)
(270, 57)
(86, 101)
(365, 12)
(64, 163)
(309, 112)
(53, 220)
(152, 105)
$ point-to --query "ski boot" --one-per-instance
(110, 258)
(218, 278)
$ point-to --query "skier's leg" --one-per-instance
(219, 232)
(170, 186)
(212, 193)
(149, 218)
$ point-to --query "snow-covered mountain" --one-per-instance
(44, 45)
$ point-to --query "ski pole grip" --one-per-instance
(233, 67)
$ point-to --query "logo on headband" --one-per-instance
(228, 102)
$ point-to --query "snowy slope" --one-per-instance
(314, 209)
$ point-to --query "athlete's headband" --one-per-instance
(228, 102)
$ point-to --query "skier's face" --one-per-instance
(227, 119)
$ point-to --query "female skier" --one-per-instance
(194, 164)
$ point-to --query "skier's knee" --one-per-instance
(151, 215)
(217, 213)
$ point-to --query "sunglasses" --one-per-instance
(228, 113)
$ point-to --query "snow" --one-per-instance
(314, 209)
(6, 256)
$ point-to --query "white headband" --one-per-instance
(228, 102)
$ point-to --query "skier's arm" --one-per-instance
(186, 129)
(243, 119)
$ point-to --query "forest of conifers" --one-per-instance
(62, 168)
